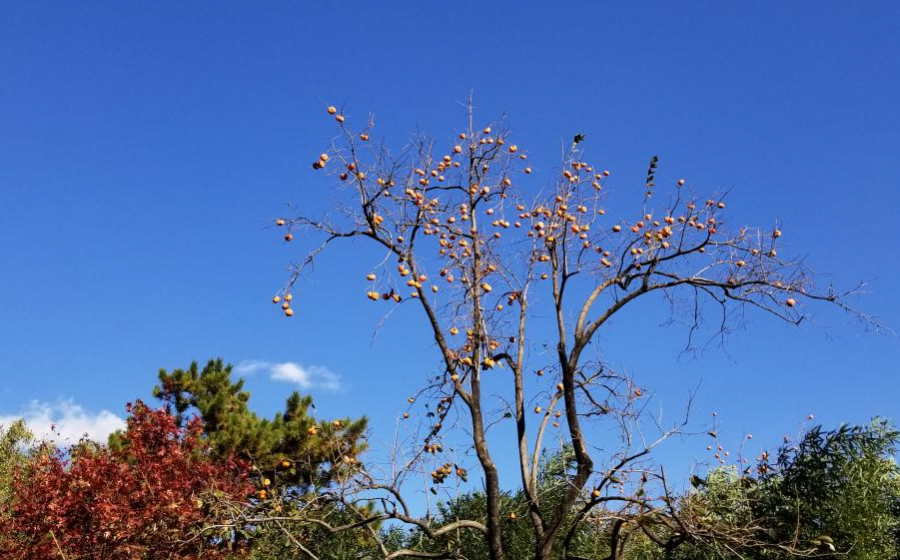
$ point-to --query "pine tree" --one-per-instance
(306, 451)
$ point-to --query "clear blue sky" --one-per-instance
(145, 148)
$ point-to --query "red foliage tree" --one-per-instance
(150, 497)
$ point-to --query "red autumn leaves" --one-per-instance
(148, 496)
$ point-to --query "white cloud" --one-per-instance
(66, 421)
(306, 377)
(249, 367)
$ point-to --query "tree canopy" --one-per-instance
(316, 449)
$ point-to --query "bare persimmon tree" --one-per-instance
(516, 284)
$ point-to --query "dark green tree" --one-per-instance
(306, 452)
(844, 487)
(835, 494)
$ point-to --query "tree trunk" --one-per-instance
(495, 530)
(544, 549)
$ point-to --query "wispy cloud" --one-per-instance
(306, 377)
(66, 421)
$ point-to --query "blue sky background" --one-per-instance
(146, 147)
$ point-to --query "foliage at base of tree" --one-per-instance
(519, 539)
(164, 488)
